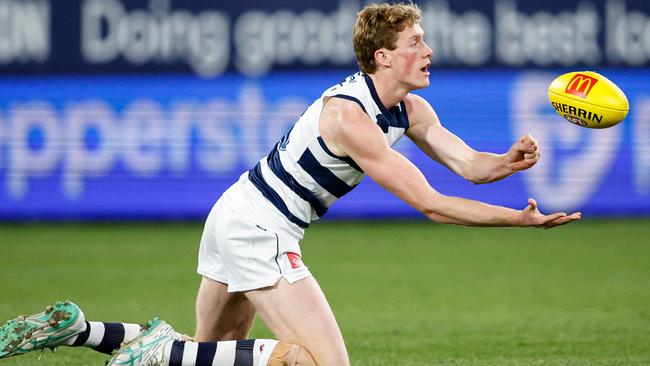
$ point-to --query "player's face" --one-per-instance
(411, 57)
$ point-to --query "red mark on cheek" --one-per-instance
(409, 60)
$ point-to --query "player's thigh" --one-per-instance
(299, 313)
(221, 315)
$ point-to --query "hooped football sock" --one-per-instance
(249, 352)
(105, 337)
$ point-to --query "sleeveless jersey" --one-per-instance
(301, 177)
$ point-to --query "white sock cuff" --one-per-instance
(131, 331)
(262, 351)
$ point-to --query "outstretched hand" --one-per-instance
(523, 154)
(532, 217)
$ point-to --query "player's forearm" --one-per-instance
(488, 167)
(460, 211)
(402, 178)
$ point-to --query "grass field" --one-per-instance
(405, 293)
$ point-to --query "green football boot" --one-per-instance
(48, 329)
(150, 348)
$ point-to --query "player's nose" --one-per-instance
(428, 51)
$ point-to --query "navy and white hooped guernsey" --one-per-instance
(301, 177)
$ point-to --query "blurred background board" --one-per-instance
(257, 37)
(116, 146)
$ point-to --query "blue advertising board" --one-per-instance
(164, 146)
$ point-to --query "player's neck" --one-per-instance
(390, 91)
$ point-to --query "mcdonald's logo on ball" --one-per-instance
(580, 85)
(588, 99)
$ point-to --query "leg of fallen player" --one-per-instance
(298, 313)
(159, 345)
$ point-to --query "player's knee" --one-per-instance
(287, 354)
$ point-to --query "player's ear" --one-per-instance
(382, 57)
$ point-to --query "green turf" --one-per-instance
(405, 293)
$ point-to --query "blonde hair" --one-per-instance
(377, 26)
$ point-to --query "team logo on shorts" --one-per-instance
(295, 260)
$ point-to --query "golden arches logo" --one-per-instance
(580, 85)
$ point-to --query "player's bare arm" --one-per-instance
(443, 146)
(349, 131)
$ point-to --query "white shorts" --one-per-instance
(246, 244)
